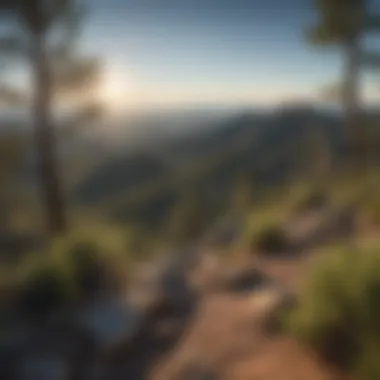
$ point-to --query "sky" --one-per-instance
(178, 52)
(208, 51)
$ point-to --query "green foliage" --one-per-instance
(43, 290)
(270, 238)
(318, 154)
(369, 209)
(342, 23)
(105, 242)
(265, 217)
(359, 191)
(74, 77)
(348, 190)
(94, 263)
(338, 21)
(42, 35)
(87, 263)
(189, 219)
(242, 194)
(339, 310)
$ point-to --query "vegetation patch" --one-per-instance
(369, 210)
(339, 309)
(85, 264)
(42, 291)
(270, 239)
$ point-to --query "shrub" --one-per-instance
(269, 238)
(95, 260)
(266, 219)
(370, 210)
(91, 272)
(42, 291)
(339, 311)
(84, 264)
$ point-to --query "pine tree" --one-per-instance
(42, 34)
(342, 23)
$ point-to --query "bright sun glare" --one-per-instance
(116, 91)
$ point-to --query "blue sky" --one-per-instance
(207, 51)
(210, 51)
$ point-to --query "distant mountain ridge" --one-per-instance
(209, 161)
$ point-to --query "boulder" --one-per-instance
(175, 297)
(110, 321)
(77, 343)
(54, 353)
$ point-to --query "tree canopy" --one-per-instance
(338, 20)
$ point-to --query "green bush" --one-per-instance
(261, 229)
(42, 291)
(95, 259)
(83, 264)
(269, 238)
(188, 220)
(370, 209)
(338, 312)
(90, 271)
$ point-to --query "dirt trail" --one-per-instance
(228, 339)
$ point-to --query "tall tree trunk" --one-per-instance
(351, 98)
(51, 190)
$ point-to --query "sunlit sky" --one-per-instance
(170, 52)
(208, 51)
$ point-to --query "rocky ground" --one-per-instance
(228, 338)
(209, 321)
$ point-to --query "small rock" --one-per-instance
(43, 367)
(110, 321)
(55, 353)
